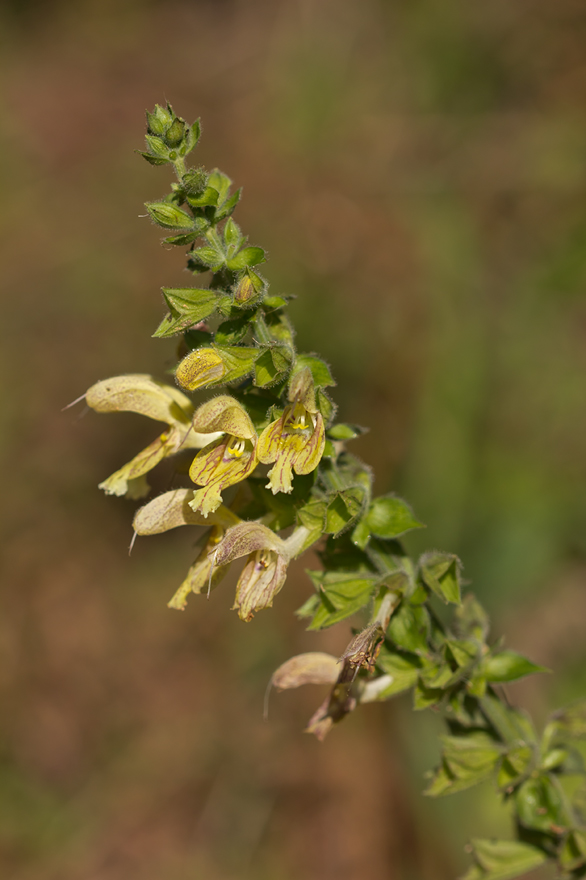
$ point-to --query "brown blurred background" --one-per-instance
(416, 169)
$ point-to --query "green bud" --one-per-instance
(159, 120)
(175, 133)
(169, 215)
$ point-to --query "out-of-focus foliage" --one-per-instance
(457, 190)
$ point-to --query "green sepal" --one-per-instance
(319, 369)
(272, 366)
(572, 853)
(466, 761)
(389, 517)
(512, 725)
(503, 859)
(341, 594)
(209, 256)
(248, 256)
(471, 620)
(539, 804)
(401, 666)
(183, 239)
(152, 160)
(409, 628)
(425, 698)
(188, 306)
(221, 183)
(571, 721)
(441, 572)
(232, 331)
(325, 405)
(514, 766)
(228, 206)
(209, 196)
(342, 431)
(342, 509)
(169, 215)
(192, 137)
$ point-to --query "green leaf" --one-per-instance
(441, 572)
(319, 369)
(502, 859)
(169, 215)
(509, 666)
(409, 628)
(341, 593)
(390, 516)
(249, 256)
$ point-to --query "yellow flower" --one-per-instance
(141, 394)
(294, 441)
(265, 571)
(227, 460)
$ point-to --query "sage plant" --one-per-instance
(271, 476)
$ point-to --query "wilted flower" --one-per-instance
(265, 571)
(202, 575)
(172, 509)
(142, 394)
(227, 460)
(296, 440)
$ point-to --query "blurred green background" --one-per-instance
(417, 171)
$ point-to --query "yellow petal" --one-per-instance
(199, 368)
(224, 413)
(268, 443)
(262, 578)
(140, 394)
(171, 509)
(121, 482)
(312, 668)
(308, 458)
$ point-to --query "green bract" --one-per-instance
(268, 475)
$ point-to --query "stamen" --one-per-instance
(235, 447)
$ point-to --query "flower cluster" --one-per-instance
(268, 475)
